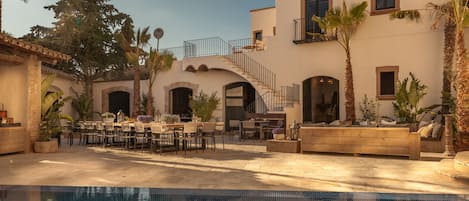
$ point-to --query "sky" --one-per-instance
(181, 19)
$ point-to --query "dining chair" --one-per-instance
(90, 132)
(100, 131)
(109, 134)
(234, 125)
(126, 134)
(220, 130)
(189, 134)
(208, 134)
(160, 136)
(82, 132)
(140, 135)
(248, 129)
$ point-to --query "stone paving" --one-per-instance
(238, 166)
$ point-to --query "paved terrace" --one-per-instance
(239, 166)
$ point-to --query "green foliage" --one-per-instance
(408, 95)
(344, 21)
(204, 105)
(133, 44)
(412, 15)
(51, 114)
(82, 104)
(158, 62)
(144, 104)
(368, 109)
(85, 30)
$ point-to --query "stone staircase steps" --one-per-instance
(461, 162)
(457, 168)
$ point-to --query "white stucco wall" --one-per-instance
(378, 42)
(14, 91)
(209, 82)
(264, 20)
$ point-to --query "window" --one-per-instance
(274, 30)
(386, 79)
(315, 8)
(379, 7)
(258, 36)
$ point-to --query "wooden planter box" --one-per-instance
(46, 147)
(283, 146)
(12, 140)
(358, 140)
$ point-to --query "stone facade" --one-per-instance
(33, 113)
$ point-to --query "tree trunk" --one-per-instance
(89, 91)
(136, 111)
(450, 34)
(149, 108)
(462, 92)
(349, 90)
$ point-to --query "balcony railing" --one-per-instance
(308, 31)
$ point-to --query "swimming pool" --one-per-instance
(52, 193)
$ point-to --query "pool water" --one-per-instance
(50, 193)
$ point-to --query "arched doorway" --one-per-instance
(240, 98)
(320, 99)
(180, 98)
(119, 100)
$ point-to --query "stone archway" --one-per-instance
(105, 97)
(167, 91)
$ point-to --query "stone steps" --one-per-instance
(457, 168)
(461, 162)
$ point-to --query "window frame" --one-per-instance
(374, 11)
(379, 70)
(303, 15)
(254, 33)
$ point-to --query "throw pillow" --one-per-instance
(438, 119)
(426, 131)
(436, 130)
(423, 124)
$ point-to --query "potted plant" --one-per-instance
(368, 110)
(203, 105)
(278, 134)
(408, 96)
(51, 114)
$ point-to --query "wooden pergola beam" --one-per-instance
(11, 59)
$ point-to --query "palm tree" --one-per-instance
(133, 46)
(440, 13)
(345, 22)
(445, 11)
(461, 19)
(155, 64)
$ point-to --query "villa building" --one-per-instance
(21, 70)
(284, 69)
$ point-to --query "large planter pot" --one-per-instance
(280, 136)
(46, 147)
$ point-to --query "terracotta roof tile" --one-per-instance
(33, 48)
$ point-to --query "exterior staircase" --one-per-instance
(457, 168)
(229, 56)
